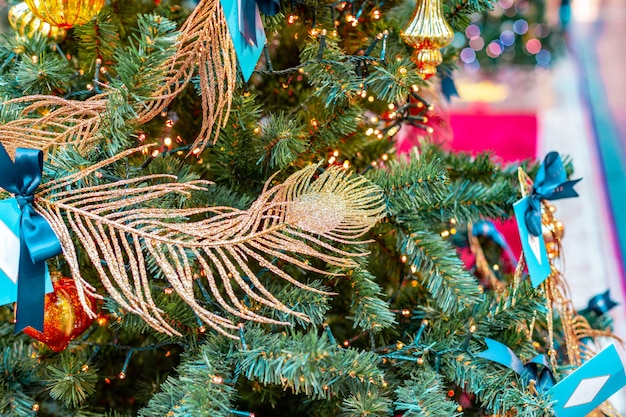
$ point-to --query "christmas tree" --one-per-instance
(230, 241)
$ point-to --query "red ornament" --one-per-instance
(65, 319)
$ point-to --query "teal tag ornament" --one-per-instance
(590, 385)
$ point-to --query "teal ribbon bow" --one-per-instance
(38, 241)
(488, 229)
(550, 184)
(248, 16)
(601, 303)
(500, 353)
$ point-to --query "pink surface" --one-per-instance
(510, 136)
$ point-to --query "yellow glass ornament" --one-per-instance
(26, 24)
(65, 13)
(427, 32)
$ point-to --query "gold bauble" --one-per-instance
(26, 24)
(65, 13)
(552, 235)
(427, 33)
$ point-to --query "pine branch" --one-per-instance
(367, 401)
(408, 185)
(98, 39)
(424, 394)
(197, 391)
(308, 363)
(69, 382)
(371, 312)
(441, 270)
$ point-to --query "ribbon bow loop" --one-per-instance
(502, 354)
(38, 241)
(550, 184)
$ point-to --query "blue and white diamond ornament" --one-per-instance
(10, 251)
(590, 385)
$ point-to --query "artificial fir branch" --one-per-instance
(423, 394)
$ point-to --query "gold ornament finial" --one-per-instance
(427, 33)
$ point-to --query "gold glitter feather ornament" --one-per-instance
(118, 231)
(204, 48)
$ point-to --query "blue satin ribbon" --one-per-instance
(550, 184)
(448, 88)
(500, 353)
(38, 241)
(248, 16)
(601, 303)
(488, 229)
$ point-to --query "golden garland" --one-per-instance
(555, 289)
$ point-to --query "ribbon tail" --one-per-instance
(31, 291)
(564, 190)
(247, 19)
(500, 353)
(269, 7)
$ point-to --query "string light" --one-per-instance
(155, 153)
(167, 142)
(217, 379)
(168, 290)
(84, 368)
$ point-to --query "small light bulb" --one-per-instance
(167, 142)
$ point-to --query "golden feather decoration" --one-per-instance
(118, 231)
(204, 47)
(49, 120)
